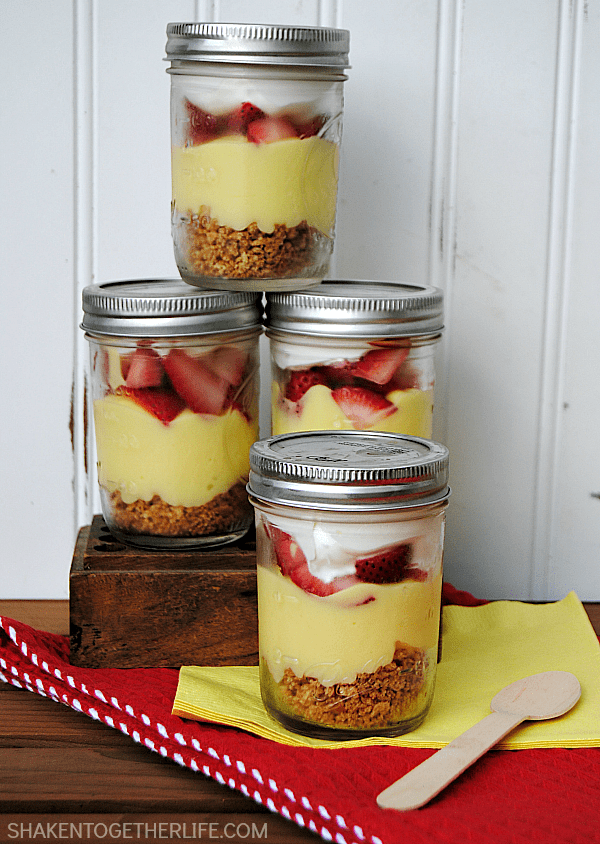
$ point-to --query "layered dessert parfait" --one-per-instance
(348, 621)
(254, 181)
(364, 387)
(174, 425)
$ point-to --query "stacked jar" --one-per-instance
(354, 355)
(348, 493)
(175, 374)
(256, 124)
(349, 530)
(256, 121)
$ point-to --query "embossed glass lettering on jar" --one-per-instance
(350, 536)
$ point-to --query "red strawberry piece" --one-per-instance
(389, 566)
(160, 402)
(203, 125)
(293, 564)
(308, 128)
(126, 363)
(361, 406)
(201, 389)
(265, 130)
(288, 552)
(145, 369)
(240, 118)
(228, 362)
(303, 578)
(339, 374)
(302, 380)
(379, 365)
(405, 378)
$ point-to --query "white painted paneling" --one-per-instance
(504, 170)
(133, 140)
(574, 522)
(469, 160)
(36, 311)
(385, 171)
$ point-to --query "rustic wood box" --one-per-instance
(131, 608)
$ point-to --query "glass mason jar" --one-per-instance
(350, 534)
(256, 124)
(175, 382)
(354, 355)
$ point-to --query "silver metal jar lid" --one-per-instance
(357, 309)
(348, 470)
(166, 307)
(258, 44)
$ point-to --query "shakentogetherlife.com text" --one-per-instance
(53, 828)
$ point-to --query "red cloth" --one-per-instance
(507, 797)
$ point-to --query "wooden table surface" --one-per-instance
(60, 765)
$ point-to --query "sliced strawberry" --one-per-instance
(288, 552)
(201, 389)
(361, 406)
(302, 577)
(308, 128)
(379, 365)
(293, 564)
(265, 130)
(228, 362)
(145, 369)
(389, 566)
(338, 374)
(240, 118)
(302, 380)
(160, 402)
(203, 126)
(405, 378)
(126, 363)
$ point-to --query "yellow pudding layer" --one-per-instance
(333, 639)
(240, 182)
(188, 462)
(319, 411)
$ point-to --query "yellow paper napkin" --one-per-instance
(484, 649)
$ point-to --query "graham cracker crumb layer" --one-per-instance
(217, 251)
(222, 514)
(376, 700)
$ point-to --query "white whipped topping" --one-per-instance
(331, 549)
(218, 95)
(287, 356)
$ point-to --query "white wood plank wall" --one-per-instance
(469, 160)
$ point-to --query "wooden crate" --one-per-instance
(132, 608)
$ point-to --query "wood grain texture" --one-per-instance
(51, 616)
(61, 763)
(132, 608)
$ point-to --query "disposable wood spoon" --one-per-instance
(534, 698)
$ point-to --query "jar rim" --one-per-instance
(357, 308)
(348, 470)
(254, 43)
(166, 307)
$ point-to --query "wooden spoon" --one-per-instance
(534, 698)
